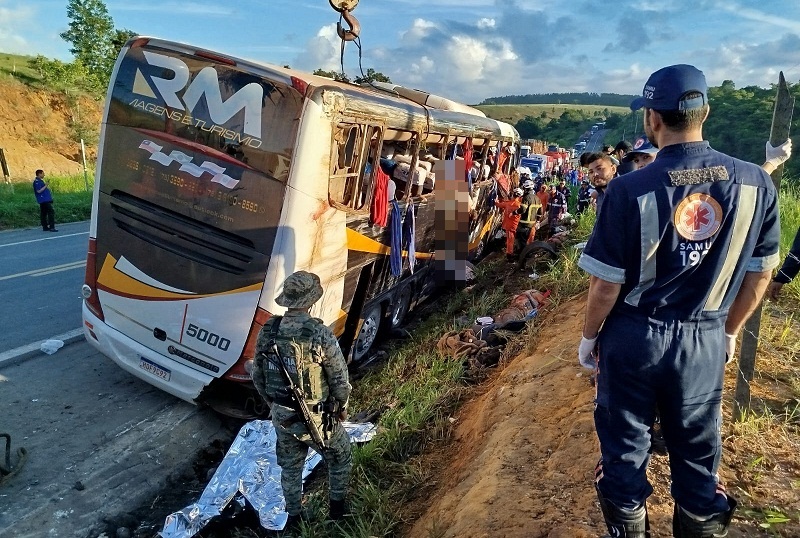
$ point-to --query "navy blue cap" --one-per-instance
(642, 145)
(665, 88)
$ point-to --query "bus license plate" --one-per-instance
(153, 368)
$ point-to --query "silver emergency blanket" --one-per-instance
(249, 471)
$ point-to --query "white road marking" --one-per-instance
(43, 239)
(47, 270)
(72, 335)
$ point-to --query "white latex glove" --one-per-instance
(730, 347)
(776, 156)
(585, 355)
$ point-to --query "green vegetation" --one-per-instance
(94, 42)
(71, 200)
(739, 123)
(418, 390)
(585, 98)
(514, 113)
(18, 67)
(370, 76)
(558, 124)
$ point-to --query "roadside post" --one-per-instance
(83, 156)
(4, 166)
(781, 120)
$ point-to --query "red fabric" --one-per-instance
(510, 235)
(503, 183)
(467, 149)
(501, 159)
(510, 216)
(544, 197)
(379, 210)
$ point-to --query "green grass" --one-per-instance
(71, 201)
(418, 390)
(513, 113)
(790, 223)
(16, 66)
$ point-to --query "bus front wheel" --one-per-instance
(370, 325)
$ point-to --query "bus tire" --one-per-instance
(535, 253)
(400, 306)
(371, 321)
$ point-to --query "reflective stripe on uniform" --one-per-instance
(649, 240)
(745, 212)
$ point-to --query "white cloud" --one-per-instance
(14, 24)
(759, 16)
(420, 29)
(321, 52)
(485, 23)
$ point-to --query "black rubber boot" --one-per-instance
(338, 509)
(623, 523)
(685, 526)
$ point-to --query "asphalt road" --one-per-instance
(100, 442)
(40, 282)
(595, 142)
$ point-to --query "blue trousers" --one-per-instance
(677, 366)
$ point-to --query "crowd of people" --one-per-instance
(695, 243)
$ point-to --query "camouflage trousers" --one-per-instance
(291, 450)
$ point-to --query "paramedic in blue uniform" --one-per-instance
(695, 240)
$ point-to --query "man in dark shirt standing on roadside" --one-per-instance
(45, 199)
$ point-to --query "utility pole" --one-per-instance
(781, 121)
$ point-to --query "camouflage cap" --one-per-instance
(300, 290)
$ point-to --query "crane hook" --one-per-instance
(353, 30)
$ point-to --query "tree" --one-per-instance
(372, 76)
(341, 77)
(119, 39)
(91, 33)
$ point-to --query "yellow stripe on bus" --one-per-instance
(362, 243)
(486, 226)
(114, 280)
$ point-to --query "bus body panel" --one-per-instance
(312, 234)
(176, 379)
(197, 220)
(186, 207)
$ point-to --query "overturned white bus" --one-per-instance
(218, 177)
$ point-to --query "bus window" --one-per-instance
(373, 152)
(345, 169)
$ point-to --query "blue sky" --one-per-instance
(466, 50)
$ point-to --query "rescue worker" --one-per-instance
(530, 211)
(312, 356)
(510, 219)
(695, 239)
(584, 197)
(558, 206)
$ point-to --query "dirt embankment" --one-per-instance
(521, 461)
(39, 130)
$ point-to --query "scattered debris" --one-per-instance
(51, 346)
(249, 475)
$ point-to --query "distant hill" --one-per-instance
(513, 113)
(601, 99)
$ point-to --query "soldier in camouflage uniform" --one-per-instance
(315, 363)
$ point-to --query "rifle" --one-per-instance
(296, 394)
